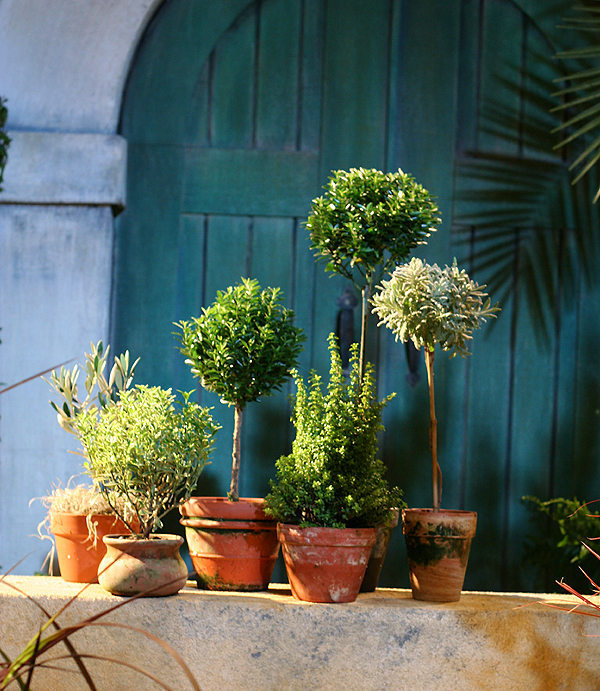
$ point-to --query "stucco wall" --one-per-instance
(63, 66)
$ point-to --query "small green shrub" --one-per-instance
(145, 450)
(332, 477)
(556, 546)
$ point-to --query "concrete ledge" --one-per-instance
(270, 642)
(51, 168)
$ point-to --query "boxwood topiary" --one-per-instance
(332, 477)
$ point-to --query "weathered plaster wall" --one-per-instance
(63, 66)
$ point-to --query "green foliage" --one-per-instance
(369, 219)
(430, 305)
(332, 478)
(4, 138)
(145, 450)
(556, 547)
(100, 392)
(580, 97)
(243, 346)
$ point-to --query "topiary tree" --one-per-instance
(430, 305)
(242, 347)
(366, 223)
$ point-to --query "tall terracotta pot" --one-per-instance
(78, 556)
(325, 564)
(438, 545)
(233, 544)
(378, 553)
(152, 566)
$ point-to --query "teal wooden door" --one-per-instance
(235, 113)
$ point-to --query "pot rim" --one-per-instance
(342, 537)
(244, 509)
(155, 539)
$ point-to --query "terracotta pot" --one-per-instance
(438, 545)
(152, 566)
(325, 564)
(78, 558)
(233, 544)
(378, 553)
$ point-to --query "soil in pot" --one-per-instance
(79, 553)
(233, 544)
(325, 564)
(438, 545)
(152, 566)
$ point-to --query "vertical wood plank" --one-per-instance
(278, 74)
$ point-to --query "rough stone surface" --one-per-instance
(270, 642)
(48, 168)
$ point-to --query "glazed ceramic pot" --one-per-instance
(438, 545)
(79, 554)
(325, 564)
(151, 566)
(233, 544)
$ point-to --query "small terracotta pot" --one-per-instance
(438, 545)
(233, 544)
(78, 558)
(325, 564)
(378, 553)
(152, 566)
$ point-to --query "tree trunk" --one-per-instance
(234, 494)
(437, 473)
(366, 293)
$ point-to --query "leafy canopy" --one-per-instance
(243, 346)
(145, 450)
(369, 219)
(430, 305)
(332, 478)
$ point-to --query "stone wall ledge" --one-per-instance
(271, 642)
(72, 169)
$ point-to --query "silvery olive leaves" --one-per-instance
(147, 449)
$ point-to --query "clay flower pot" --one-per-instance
(438, 545)
(378, 553)
(325, 564)
(133, 565)
(78, 557)
(233, 544)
